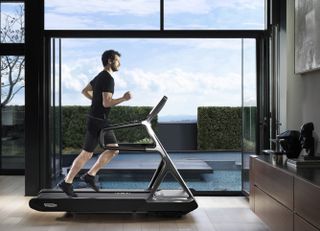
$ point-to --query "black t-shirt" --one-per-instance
(103, 82)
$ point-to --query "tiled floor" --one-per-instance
(213, 214)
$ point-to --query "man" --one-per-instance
(100, 91)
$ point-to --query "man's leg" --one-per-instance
(104, 158)
(77, 164)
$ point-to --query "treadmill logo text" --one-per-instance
(50, 205)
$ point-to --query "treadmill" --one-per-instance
(151, 200)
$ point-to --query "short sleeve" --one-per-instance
(107, 85)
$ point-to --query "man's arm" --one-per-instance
(108, 101)
(87, 91)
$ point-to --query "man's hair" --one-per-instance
(109, 54)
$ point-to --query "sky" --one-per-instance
(191, 72)
(145, 14)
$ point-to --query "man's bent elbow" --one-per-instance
(84, 92)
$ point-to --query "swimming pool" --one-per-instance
(226, 174)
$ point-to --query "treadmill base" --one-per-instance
(112, 202)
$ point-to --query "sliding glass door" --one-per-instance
(204, 93)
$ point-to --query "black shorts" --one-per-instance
(94, 127)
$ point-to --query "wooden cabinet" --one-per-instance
(273, 213)
(301, 225)
(307, 201)
(283, 200)
(274, 182)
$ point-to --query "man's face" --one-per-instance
(115, 65)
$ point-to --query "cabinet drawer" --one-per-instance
(274, 214)
(275, 182)
(307, 201)
(302, 225)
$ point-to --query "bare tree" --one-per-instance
(12, 67)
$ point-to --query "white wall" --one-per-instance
(302, 92)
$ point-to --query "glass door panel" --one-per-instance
(201, 83)
(249, 110)
(55, 109)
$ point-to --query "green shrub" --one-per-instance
(219, 128)
(73, 126)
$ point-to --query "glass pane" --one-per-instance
(214, 14)
(12, 112)
(12, 23)
(193, 73)
(101, 14)
(249, 106)
(55, 109)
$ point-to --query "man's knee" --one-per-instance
(114, 152)
(86, 155)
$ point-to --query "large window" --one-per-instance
(201, 54)
(12, 148)
(12, 112)
(145, 14)
(193, 73)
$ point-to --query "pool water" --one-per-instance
(222, 180)
(226, 174)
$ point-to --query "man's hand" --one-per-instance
(127, 96)
(108, 101)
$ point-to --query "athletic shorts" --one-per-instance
(92, 136)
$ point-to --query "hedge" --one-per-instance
(74, 125)
(219, 128)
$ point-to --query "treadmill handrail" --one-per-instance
(123, 125)
(155, 111)
(152, 114)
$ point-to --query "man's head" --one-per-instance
(111, 58)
